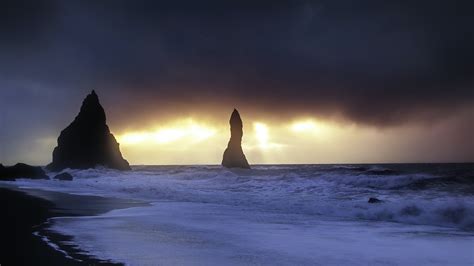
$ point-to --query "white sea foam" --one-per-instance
(284, 189)
(171, 233)
(291, 214)
(54, 245)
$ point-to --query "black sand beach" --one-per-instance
(25, 212)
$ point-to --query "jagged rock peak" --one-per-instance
(234, 156)
(91, 110)
(87, 141)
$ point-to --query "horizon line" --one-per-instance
(273, 164)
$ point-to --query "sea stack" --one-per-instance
(234, 156)
(87, 141)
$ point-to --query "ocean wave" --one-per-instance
(418, 198)
(379, 182)
(451, 212)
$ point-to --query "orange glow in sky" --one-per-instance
(186, 131)
(191, 140)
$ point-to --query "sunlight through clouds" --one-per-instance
(311, 127)
(303, 126)
(192, 140)
(133, 138)
(169, 135)
(262, 138)
(261, 134)
(190, 130)
(300, 140)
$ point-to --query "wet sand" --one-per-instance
(24, 222)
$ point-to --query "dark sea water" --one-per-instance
(278, 214)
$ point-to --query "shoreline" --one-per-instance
(26, 217)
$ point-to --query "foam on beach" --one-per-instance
(289, 214)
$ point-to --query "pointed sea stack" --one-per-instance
(87, 141)
(234, 156)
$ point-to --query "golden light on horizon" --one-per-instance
(132, 138)
(169, 135)
(261, 134)
(187, 134)
(303, 126)
(200, 132)
(184, 140)
(189, 129)
(311, 127)
(291, 141)
(189, 141)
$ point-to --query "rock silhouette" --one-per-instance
(87, 141)
(64, 177)
(234, 156)
(21, 170)
(374, 200)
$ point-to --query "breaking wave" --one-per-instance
(414, 194)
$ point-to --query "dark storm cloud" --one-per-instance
(374, 62)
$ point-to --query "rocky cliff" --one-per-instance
(87, 141)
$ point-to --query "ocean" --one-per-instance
(276, 214)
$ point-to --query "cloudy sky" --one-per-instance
(314, 81)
